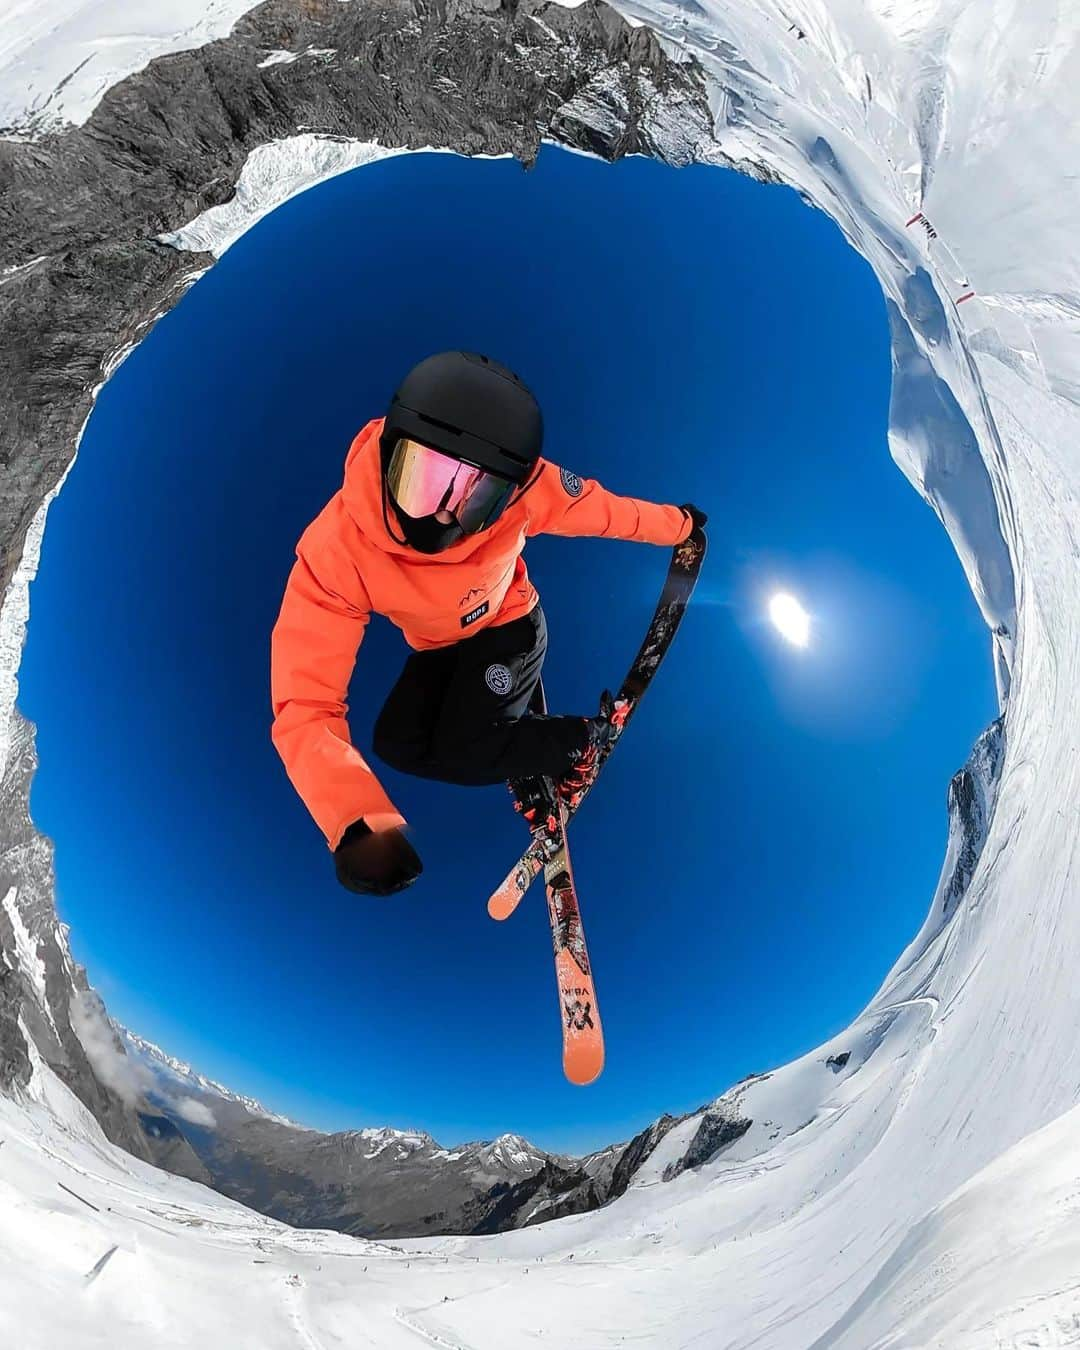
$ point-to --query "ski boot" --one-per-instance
(604, 730)
(534, 801)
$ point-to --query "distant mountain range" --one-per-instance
(384, 1182)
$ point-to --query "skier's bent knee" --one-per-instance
(471, 755)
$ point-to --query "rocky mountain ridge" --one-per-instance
(384, 1182)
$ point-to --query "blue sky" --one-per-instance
(769, 835)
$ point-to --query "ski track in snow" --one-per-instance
(294, 1299)
(924, 1194)
(406, 1319)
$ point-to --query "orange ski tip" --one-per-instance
(583, 1063)
(507, 898)
(583, 1037)
(503, 903)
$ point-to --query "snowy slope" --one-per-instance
(58, 58)
(914, 1183)
(100, 1250)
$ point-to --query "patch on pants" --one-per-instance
(498, 679)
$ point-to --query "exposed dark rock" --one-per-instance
(716, 1130)
(14, 1052)
(837, 1062)
(556, 1190)
(636, 1152)
(972, 794)
(170, 1150)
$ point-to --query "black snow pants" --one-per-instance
(461, 714)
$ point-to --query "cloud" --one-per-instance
(198, 1113)
(90, 1023)
(130, 1079)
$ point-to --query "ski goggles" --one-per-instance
(423, 481)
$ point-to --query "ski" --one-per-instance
(549, 834)
(583, 1035)
(583, 1038)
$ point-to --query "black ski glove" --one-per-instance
(696, 514)
(375, 862)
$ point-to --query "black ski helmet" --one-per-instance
(471, 407)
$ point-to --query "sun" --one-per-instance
(790, 619)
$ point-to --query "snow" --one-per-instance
(26, 953)
(511, 1150)
(171, 1263)
(14, 614)
(58, 57)
(279, 58)
(20, 269)
(923, 1194)
(271, 175)
(383, 1137)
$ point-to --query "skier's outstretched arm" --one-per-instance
(312, 654)
(559, 502)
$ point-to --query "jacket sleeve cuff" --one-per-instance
(376, 821)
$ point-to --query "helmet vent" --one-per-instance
(443, 426)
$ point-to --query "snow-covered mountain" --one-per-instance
(382, 1182)
(375, 1182)
(171, 1074)
(911, 1184)
(46, 1006)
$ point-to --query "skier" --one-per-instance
(428, 529)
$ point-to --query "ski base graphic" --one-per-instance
(583, 1034)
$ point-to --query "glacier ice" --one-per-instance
(913, 1183)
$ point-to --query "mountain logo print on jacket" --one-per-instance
(571, 482)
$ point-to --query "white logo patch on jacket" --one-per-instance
(571, 483)
(498, 679)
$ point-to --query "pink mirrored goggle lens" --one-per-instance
(423, 481)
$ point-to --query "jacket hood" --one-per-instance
(362, 494)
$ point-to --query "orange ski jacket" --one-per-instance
(348, 567)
